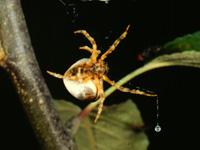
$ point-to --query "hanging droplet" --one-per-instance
(157, 128)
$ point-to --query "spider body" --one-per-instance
(81, 79)
(83, 69)
(84, 79)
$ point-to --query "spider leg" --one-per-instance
(124, 89)
(55, 74)
(90, 39)
(86, 48)
(101, 95)
(94, 50)
(115, 44)
(100, 107)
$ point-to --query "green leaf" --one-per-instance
(114, 130)
(184, 51)
(66, 109)
(188, 42)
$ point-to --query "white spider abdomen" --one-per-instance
(82, 90)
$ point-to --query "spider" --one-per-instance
(84, 79)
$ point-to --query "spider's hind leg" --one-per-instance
(100, 108)
(124, 89)
(101, 96)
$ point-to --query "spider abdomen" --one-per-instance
(79, 81)
(81, 90)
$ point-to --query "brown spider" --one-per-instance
(84, 79)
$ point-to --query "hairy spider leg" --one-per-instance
(56, 75)
(93, 50)
(101, 96)
(115, 44)
(100, 107)
(127, 90)
(87, 48)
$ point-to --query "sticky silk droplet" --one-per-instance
(157, 128)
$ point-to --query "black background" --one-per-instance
(153, 23)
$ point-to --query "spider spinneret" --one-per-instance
(84, 79)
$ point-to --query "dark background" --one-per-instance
(153, 23)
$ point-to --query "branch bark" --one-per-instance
(17, 57)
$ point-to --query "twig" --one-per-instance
(17, 57)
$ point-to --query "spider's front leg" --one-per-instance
(92, 50)
(56, 75)
(86, 48)
(115, 44)
(89, 49)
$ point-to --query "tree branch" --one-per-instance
(17, 57)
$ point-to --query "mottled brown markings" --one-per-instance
(95, 70)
